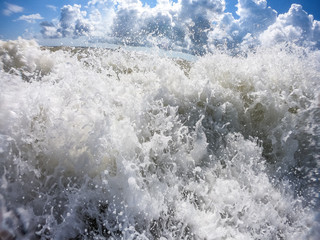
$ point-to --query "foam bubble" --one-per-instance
(115, 143)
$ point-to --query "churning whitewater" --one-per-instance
(116, 144)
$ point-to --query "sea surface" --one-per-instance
(121, 144)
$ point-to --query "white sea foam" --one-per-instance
(98, 143)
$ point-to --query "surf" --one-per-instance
(126, 144)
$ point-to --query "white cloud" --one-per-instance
(294, 26)
(30, 18)
(196, 26)
(11, 9)
(52, 7)
(93, 2)
(255, 15)
(183, 24)
(72, 23)
(49, 30)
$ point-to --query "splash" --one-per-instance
(116, 144)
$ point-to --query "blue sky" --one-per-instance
(196, 25)
(11, 27)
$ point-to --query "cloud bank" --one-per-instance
(195, 26)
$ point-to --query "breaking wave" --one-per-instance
(116, 144)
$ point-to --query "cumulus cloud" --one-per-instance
(199, 16)
(184, 24)
(49, 30)
(255, 15)
(11, 9)
(30, 18)
(254, 18)
(294, 26)
(72, 23)
(195, 26)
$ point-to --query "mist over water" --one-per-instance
(117, 144)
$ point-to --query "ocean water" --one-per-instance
(117, 144)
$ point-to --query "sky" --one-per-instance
(187, 24)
